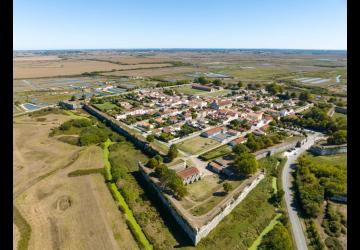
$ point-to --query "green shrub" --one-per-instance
(81, 172)
(333, 244)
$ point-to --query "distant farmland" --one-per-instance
(50, 68)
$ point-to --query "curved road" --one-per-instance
(297, 230)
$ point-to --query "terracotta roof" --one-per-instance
(188, 172)
(239, 140)
(216, 165)
(214, 130)
(226, 102)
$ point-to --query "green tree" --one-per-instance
(293, 95)
(173, 152)
(227, 187)
(251, 143)
(240, 149)
(246, 164)
(153, 163)
(202, 80)
(240, 84)
(337, 138)
(277, 239)
(73, 98)
(150, 138)
(218, 82)
(305, 96)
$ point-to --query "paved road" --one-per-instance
(286, 180)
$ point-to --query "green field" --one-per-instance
(217, 152)
(336, 115)
(76, 114)
(106, 106)
(271, 225)
(217, 93)
(130, 155)
(338, 159)
(189, 91)
(244, 224)
(196, 144)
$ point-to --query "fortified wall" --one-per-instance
(277, 148)
(328, 150)
(114, 124)
(193, 232)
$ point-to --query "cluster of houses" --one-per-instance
(169, 112)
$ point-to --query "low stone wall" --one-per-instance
(276, 149)
(328, 150)
(195, 233)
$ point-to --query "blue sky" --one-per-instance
(94, 24)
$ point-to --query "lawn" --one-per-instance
(338, 159)
(162, 148)
(209, 187)
(190, 91)
(130, 155)
(217, 93)
(200, 190)
(207, 206)
(76, 115)
(336, 115)
(196, 144)
(245, 223)
(217, 152)
(106, 106)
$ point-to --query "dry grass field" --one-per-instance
(151, 72)
(63, 212)
(49, 68)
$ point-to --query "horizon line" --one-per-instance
(179, 48)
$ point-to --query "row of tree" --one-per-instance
(317, 182)
(168, 177)
(317, 119)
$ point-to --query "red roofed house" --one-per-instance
(189, 175)
(255, 116)
(213, 131)
(238, 141)
(221, 104)
(216, 167)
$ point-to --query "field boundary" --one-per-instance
(23, 227)
(134, 227)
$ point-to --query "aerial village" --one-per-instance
(204, 128)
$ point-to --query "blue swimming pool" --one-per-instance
(30, 106)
